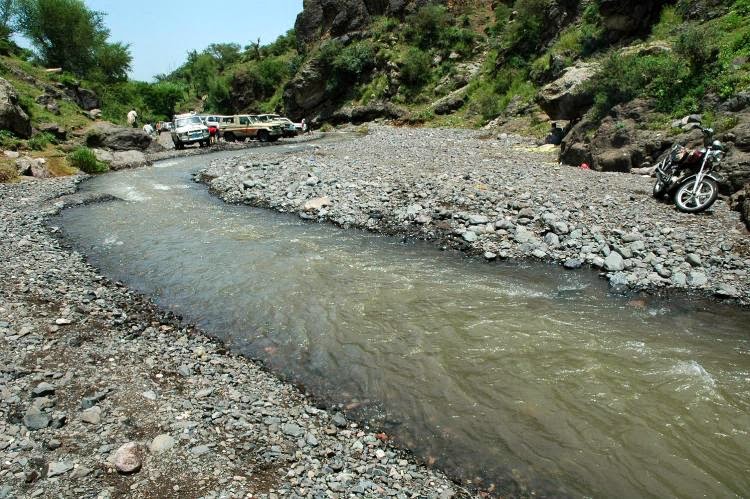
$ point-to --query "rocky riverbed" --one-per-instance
(500, 197)
(104, 395)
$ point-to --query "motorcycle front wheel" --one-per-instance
(694, 202)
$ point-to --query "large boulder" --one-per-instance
(12, 117)
(117, 138)
(570, 96)
(306, 91)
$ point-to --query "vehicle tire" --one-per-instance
(263, 136)
(660, 188)
(179, 146)
(273, 139)
(708, 191)
(229, 137)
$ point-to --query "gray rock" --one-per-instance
(92, 400)
(92, 415)
(59, 468)
(199, 450)
(488, 255)
(339, 420)
(725, 290)
(697, 279)
(34, 419)
(572, 263)
(551, 239)
(12, 116)
(292, 430)
(618, 281)
(693, 259)
(478, 220)
(470, 236)
(614, 262)
(43, 389)
(161, 443)
(679, 279)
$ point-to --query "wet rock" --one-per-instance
(572, 263)
(614, 262)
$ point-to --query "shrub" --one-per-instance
(669, 22)
(40, 141)
(8, 173)
(695, 45)
(326, 127)
(85, 160)
(8, 140)
(663, 77)
(415, 67)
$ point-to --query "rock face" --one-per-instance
(12, 117)
(306, 91)
(568, 97)
(624, 19)
(322, 18)
(117, 138)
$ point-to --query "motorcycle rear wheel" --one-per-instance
(690, 202)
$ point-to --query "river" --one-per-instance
(514, 377)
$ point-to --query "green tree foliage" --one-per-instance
(66, 34)
(162, 98)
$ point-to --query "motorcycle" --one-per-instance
(690, 176)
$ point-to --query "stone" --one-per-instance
(92, 400)
(570, 96)
(117, 138)
(694, 260)
(618, 281)
(127, 459)
(43, 389)
(470, 236)
(488, 255)
(679, 279)
(149, 395)
(614, 262)
(34, 419)
(161, 443)
(92, 415)
(59, 468)
(697, 279)
(551, 239)
(317, 204)
(338, 420)
(199, 450)
(12, 116)
(725, 290)
(572, 263)
(478, 220)
(292, 430)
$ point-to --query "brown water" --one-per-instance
(521, 376)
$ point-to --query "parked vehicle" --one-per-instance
(243, 126)
(212, 122)
(690, 177)
(189, 129)
(287, 126)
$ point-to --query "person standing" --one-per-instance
(132, 118)
(304, 126)
(148, 129)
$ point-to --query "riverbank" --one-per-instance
(501, 198)
(104, 395)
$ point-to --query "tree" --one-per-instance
(225, 54)
(66, 34)
(163, 97)
(7, 13)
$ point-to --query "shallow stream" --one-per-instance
(522, 376)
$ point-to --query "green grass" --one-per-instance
(85, 160)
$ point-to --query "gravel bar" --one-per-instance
(500, 198)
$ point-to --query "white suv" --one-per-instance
(189, 129)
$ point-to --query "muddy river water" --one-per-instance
(518, 376)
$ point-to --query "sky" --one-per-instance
(162, 32)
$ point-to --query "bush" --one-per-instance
(663, 77)
(695, 45)
(85, 160)
(8, 173)
(8, 140)
(40, 141)
(326, 127)
(415, 67)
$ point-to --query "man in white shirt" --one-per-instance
(132, 117)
